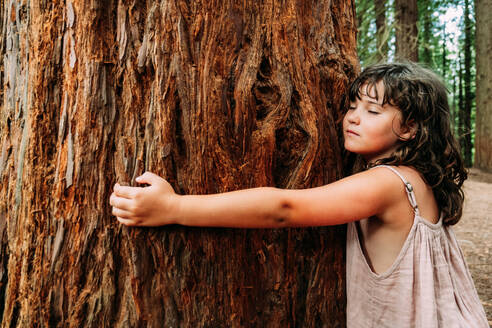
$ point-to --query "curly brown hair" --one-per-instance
(434, 152)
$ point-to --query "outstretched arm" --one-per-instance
(350, 199)
(158, 204)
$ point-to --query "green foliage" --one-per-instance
(366, 25)
(367, 46)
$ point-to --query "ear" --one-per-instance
(408, 131)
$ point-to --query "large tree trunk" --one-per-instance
(483, 123)
(468, 145)
(213, 96)
(406, 34)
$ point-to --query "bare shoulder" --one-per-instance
(359, 196)
(410, 174)
(423, 192)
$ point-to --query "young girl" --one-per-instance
(404, 265)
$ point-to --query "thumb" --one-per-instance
(148, 178)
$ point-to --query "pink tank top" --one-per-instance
(427, 286)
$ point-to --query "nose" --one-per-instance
(352, 116)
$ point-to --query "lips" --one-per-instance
(351, 132)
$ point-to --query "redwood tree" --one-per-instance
(213, 96)
(483, 121)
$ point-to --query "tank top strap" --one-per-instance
(408, 188)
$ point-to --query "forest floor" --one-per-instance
(474, 233)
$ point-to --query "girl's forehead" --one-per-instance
(373, 90)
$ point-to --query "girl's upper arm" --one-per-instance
(353, 198)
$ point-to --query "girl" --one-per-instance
(404, 265)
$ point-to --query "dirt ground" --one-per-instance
(474, 233)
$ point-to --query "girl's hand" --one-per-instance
(154, 205)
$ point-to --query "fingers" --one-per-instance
(125, 217)
(127, 222)
(149, 178)
(124, 191)
(118, 212)
(120, 202)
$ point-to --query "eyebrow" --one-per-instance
(374, 103)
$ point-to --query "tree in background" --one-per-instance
(425, 11)
(406, 33)
(366, 48)
(483, 41)
(372, 20)
(213, 96)
(382, 31)
(467, 79)
(464, 73)
(432, 34)
(461, 104)
(444, 57)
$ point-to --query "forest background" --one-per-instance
(442, 36)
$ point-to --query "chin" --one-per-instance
(349, 148)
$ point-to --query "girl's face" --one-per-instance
(371, 129)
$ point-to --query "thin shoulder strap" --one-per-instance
(408, 188)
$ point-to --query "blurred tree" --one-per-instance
(366, 48)
(483, 41)
(425, 12)
(467, 78)
(382, 31)
(444, 59)
(461, 101)
(406, 33)
(433, 35)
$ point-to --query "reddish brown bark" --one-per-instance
(213, 96)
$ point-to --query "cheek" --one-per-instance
(344, 121)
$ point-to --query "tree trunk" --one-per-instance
(455, 107)
(426, 32)
(365, 37)
(483, 120)
(461, 105)
(213, 96)
(382, 35)
(468, 145)
(406, 34)
(444, 57)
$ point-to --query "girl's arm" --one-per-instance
(356, 197)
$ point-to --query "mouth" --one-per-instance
(351, 132)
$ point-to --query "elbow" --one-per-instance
(283, 214)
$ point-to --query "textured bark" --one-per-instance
(406, 34)
(483, 119)
(213, 96)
